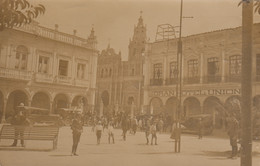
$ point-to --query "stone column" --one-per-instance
(164, 68)
(201, 68)
(223, 66)
(4, 111)
(51, 107)
(101, 109)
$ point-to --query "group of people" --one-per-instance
(150, 126)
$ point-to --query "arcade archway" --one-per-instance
(233, 105)
(80, 101)
(156, 105)
(212, 105)
(171, 106)
(14, 99)
(60, 101)
(191, 106)
(41, 100)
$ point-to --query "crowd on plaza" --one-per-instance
(150, 125)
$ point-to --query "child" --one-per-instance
(111, 132)
(99, 129)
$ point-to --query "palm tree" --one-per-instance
(14, 13)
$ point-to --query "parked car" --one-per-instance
(41, 116)
(191, 124)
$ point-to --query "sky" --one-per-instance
(114, 20)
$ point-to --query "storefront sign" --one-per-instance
(203, 92)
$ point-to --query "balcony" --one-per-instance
(171, 81)
(156, 82)
(43, 77)
(81, 83)
(234, 78)
(191, 80)
(64, 80)
(211, 79)
(15, 74)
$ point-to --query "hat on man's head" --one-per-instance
(21, 104)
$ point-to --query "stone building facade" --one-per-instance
(211, 73)
(120, 83)
(46, 68)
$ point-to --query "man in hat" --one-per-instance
(19, 121)
(233, 132)
(77, 129)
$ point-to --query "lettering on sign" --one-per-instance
(205, 92)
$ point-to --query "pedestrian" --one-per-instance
(153, 132)
(77, 129)
(125, 126)
(99, 129)
(233, 132)
(147, 130)
(111, 132)
(20, 122)
(200, 128)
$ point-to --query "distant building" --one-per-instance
(211, 73)
(120, 83)
(46, 68)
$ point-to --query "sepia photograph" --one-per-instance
(129, 82)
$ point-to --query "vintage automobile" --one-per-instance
(191, 124)
(41, 116)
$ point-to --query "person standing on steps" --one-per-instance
(77, 129)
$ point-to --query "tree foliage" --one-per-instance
(14, 13)
(256, 4)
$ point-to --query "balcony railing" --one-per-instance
(156, 81)
(191, 80)
(171, 81)
(233, 78)
(15, 74)
(55, 35)
(64, 79)
(211, 79)
(81, 83)
(43, 77)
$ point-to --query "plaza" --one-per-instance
(210, 150)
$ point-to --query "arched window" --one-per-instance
(21, 58)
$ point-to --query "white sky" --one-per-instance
(114, 20)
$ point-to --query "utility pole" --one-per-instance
(179, 87)
(246, 83)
